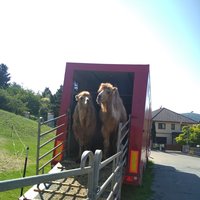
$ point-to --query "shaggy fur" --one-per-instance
(84, 120)
(112, 112)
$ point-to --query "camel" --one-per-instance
(84, 120)
(112, 112)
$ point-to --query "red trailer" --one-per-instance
(134, 88)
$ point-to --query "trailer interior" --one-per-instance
(90, 81)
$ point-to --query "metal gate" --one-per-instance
(91, 165)
(45, 138)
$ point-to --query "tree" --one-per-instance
(153, 132)
(4, 99)
(195, 135)
(45, 107)
(32, 100)
(56, 101)
(190, 135)
(28, 97)
(11, 103)
(47, 93)
(4, 76)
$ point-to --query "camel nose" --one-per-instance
(86, 100)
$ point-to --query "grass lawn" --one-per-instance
(16, 133)
(142, 192)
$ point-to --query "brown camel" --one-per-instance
(84, 120)
(112, 112)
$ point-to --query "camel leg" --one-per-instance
(106, 141)
(80, 150)
(106, 144)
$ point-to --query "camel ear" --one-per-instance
(115, 89)
(77, 97)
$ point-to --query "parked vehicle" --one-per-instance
(133, 83)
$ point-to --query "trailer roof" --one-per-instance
(109, 67)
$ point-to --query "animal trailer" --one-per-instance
(133, 83)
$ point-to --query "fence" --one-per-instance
(95, 164)
(48, 141)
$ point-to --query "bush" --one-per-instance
(10, 103)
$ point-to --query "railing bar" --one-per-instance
(38, 144)
(108, 180)
(50, 151)
(124, 157)
(53, 119)
(125, 145)
(50, 160)
(105, 184)
(124, 136)
(53, 129)
(48, 141)
(110, 196)
(112, 192)
(124, 162)
(108, 160)
(124, 152)
(126, 123)
(43, 178)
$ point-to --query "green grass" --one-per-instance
(142, 192)
(16, 133)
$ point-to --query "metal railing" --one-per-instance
(52, 138)
(95, 165)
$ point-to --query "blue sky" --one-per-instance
(38, 37)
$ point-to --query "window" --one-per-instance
(161, 125)
(172, 126)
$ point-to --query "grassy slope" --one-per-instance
(16, 133)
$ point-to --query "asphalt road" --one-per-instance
(176, 176)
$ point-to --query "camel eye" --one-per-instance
(108, 91)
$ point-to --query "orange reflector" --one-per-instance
(134, 158)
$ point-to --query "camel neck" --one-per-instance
(105, 108)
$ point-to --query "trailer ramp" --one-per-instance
(84, 186)
(67, 188)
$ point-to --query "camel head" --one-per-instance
(105, 93)
(83, 98)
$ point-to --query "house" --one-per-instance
(168, 125)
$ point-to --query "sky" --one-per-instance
(37, 38)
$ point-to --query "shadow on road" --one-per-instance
(171, 184)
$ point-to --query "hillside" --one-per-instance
(16, 133)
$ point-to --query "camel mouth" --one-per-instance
(98, 99)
